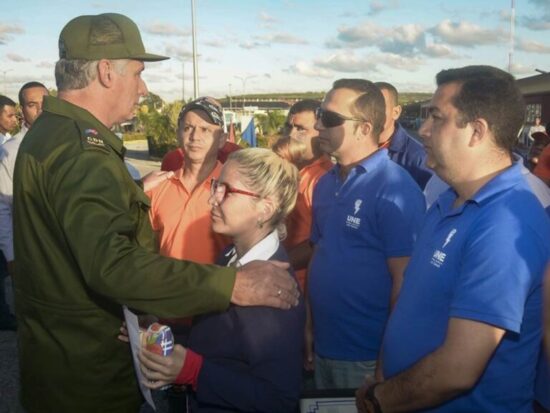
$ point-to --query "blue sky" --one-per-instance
(289, 45)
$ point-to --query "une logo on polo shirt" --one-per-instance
(353, 221)
(438, 258)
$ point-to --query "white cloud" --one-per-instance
(14, 57)
(252, 45)
(45, 65)
(406, 39)
(439, 50)
(519, 69)
(166, 29)
(217, 43)
(377, 6)
(396, 61)
(282, 38)
(532, 46)
(306, 69)
(178, 52)
(467, 34)
(346, 62)
(536, 23)
(7, 31)
(266, 18)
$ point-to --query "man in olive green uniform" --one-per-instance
(83, 241)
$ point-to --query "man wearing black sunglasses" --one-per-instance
(402, 147)
(365, 216)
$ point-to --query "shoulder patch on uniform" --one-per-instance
(92, 140)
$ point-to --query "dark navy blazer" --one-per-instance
(252, 357)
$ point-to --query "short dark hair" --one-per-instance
(390, 88)
(6, 101)
(369, 105)
(305, 105)
(26, 86)
(491, 94)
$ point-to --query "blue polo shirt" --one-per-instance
(357, 225)
(481, 261)
(410, 154)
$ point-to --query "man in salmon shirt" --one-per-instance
(180, 214)
(300, 126)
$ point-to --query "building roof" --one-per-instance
(534, 85)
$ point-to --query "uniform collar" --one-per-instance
(505, 180)
(62, 107)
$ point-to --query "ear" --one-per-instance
(480, 132)
(266, 210)
(396, 112)
(222, 140)
(105, 72)
(365, 128)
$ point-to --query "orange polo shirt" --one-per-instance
(299, 220)
(182, 219)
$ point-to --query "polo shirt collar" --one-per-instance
(178, 174)
(398, 139)
(507, 179)
(369, 164)
(62, 107)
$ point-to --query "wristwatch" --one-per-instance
(372, 400)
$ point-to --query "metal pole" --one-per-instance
(230, 103)
(512, 34)
(5, 83)
(195, 63)
(182, 81)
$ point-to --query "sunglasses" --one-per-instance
(331, 119)
(220, 190)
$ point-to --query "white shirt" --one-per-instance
(4, 138)
(263, 250)
(8, 153)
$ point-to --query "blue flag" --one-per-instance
(249, 134)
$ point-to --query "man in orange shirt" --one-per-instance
(179, 212)
(300, 126)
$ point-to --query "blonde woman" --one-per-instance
(246, 358)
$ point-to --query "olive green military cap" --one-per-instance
(103, 36)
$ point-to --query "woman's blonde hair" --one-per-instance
(290, 149)
(270, 176)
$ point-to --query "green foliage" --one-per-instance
(159, 125)
(270, 123)
(133, 136)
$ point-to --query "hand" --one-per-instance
(360, 402)
(265, 283)
(123, 336)
(152, 179)
(161, 370)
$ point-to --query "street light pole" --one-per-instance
(195, 63)
(4, 77)
(243, 80)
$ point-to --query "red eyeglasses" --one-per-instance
(219, 191)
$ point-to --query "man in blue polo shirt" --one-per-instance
(366, 211)
(402, 147)
(465, 333)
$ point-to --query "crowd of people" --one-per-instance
(348, 256)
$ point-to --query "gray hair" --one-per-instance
(76, 74)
